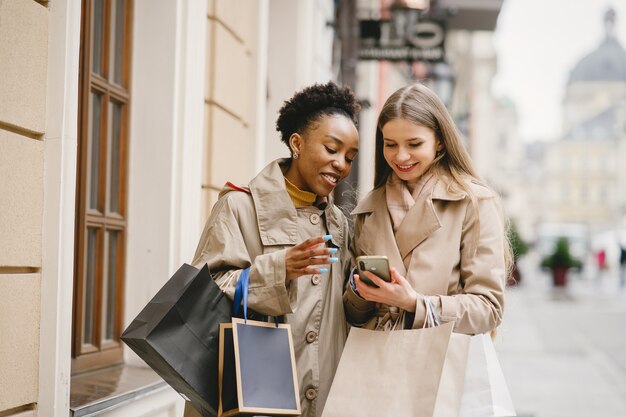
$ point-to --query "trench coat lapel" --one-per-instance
(419, 223)
(277, 216)
(379, 229)
(421, 220)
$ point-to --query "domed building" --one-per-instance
(585, 170)
(597, 81)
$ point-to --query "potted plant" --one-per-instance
(519, 248)
(560, 261)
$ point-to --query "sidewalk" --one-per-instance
(563, 353)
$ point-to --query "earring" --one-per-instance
(296, 155)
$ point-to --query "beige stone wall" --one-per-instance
(230, 96)
(23, 65)
(21, 188)
(19, 346)
(24, 49)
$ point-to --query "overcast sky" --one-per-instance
(538, 42)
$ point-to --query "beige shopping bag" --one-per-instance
(394, 373)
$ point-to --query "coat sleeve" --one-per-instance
(479, 308)
(226, 250)
(357, 309)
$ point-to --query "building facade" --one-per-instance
(120, 120)
(583, 171)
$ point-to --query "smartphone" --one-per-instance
(378, 265)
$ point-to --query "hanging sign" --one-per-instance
(385, 40)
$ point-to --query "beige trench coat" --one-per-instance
(445, 248)
(254, 230)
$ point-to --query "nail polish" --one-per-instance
(333, 260)
(328, 237)
(332, 250)
(323, 270)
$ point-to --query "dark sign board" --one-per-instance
(385, 40)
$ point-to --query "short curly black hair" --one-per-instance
(310, 104)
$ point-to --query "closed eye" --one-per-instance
(330, 150)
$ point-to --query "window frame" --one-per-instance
(101, 352)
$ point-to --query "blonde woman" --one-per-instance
(440, 226)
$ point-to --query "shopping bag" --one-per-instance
(176, 334)
(485, 393)
(257, 367)
(390, 373)
(452, 381)
(502, 402)
(451, 386)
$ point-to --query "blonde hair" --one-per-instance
(453, 164)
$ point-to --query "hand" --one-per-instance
(397, 293)
(303, 258)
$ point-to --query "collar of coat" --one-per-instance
(422, 218)
(277, 216)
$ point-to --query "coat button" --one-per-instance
(311, 394)
(315, 218)
(311, 336)
(315, 279)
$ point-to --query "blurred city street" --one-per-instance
(563, 352)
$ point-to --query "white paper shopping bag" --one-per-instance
(485, 393)
(502, 402)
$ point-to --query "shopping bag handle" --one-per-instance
(241, 294)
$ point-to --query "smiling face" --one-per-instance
(326, 150)
(409, 148)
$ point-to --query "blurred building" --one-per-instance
(511, 170)
(462, 78)
(584, 173)
(120, 120)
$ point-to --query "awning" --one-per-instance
(472, 14)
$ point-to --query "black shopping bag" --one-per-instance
(257, 367)
(176, 334)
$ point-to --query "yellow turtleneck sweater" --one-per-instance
(298, 197)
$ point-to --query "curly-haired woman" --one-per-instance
(295, 241)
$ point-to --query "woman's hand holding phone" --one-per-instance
(397, 292)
